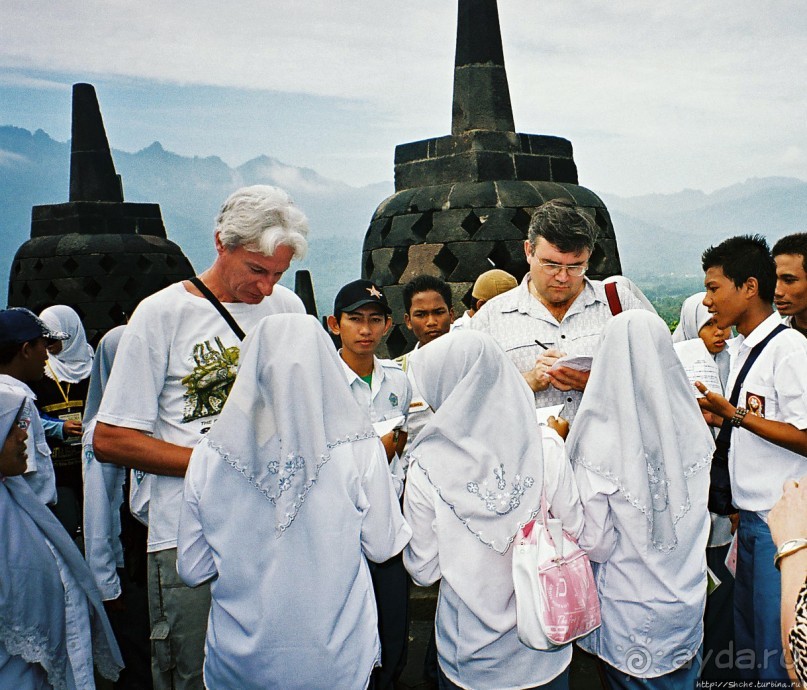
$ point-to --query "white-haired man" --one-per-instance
(175, 366)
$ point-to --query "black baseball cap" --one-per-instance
(19, 325)
(358, 294)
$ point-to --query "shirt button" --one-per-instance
(563, 336)
(568, 399)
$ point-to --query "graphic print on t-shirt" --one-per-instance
(211, 380)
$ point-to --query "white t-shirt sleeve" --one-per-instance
(131, 396)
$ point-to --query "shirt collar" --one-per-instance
(759, 333)
(352, 376)
(526, 303)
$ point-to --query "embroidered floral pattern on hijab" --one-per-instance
(472, 445)
(288, 405)
(501, 502)
(653, 437)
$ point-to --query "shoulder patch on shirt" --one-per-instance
(393, 399)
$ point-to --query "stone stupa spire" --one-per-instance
(481, 94)
(92, 172)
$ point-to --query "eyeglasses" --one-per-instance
(574, 270)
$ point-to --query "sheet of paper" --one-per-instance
(542, 414)
(383, 427)
(576, 362)
(712, 581)
(699, 365)
(731, 557)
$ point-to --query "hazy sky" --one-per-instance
(655, 97)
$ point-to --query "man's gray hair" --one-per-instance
(261, 218)
(564, 225)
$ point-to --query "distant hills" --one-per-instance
(659, 235)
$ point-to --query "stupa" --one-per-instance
(463, 202)
(95, 253)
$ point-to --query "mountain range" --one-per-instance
(660, 236)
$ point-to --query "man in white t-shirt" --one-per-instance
(790, 295)
(175, 366)
(768, 438)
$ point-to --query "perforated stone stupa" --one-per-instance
(96, 253)
(463, 202)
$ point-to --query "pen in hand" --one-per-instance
(538, 342)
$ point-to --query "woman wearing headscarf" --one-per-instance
(701, 346)
(476, 474)
(60, 396)
(641, 454)
(285, 499)
(53, 628)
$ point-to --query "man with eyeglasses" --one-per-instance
(556, 310)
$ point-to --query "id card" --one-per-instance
(71, 417)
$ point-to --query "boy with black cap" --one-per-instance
(361, 317)
(24, 339)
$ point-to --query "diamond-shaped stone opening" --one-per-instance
(446, 261)
(398, 262)
(170, 261)
(117, 314)
(396, 342)
(70, 265)
(16, 268)
(52, 291)
(499, 257)
(369, 265)
(423, 226)
(471, 224)
(38, 265)
(130, 285)
(91, 286)
(107, 263)
(521, 219)
(25, 291)
(468, 299)
(143, 264)
(385, 229)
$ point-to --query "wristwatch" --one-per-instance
(786, 548)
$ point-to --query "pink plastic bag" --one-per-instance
(556, 597)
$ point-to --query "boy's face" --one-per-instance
(429, 317)
(790, 295)
(361, 330)
(723, 298)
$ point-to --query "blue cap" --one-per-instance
(19, 325)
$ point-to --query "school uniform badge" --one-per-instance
(393, 399)
(755, 404)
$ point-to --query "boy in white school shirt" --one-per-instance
(768, 441)
(361, 317)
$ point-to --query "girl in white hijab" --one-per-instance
(475, 476)
(52, 623)
(61, 396)
(284, 500)
(696, 328)
(73, 362)
(641, 454)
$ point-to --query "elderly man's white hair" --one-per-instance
(261, 218)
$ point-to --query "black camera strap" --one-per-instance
(725, 429)
(227, 316)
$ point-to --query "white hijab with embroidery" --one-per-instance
(482, 449)
(74, 362)
(639, 425)
(286, 411)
